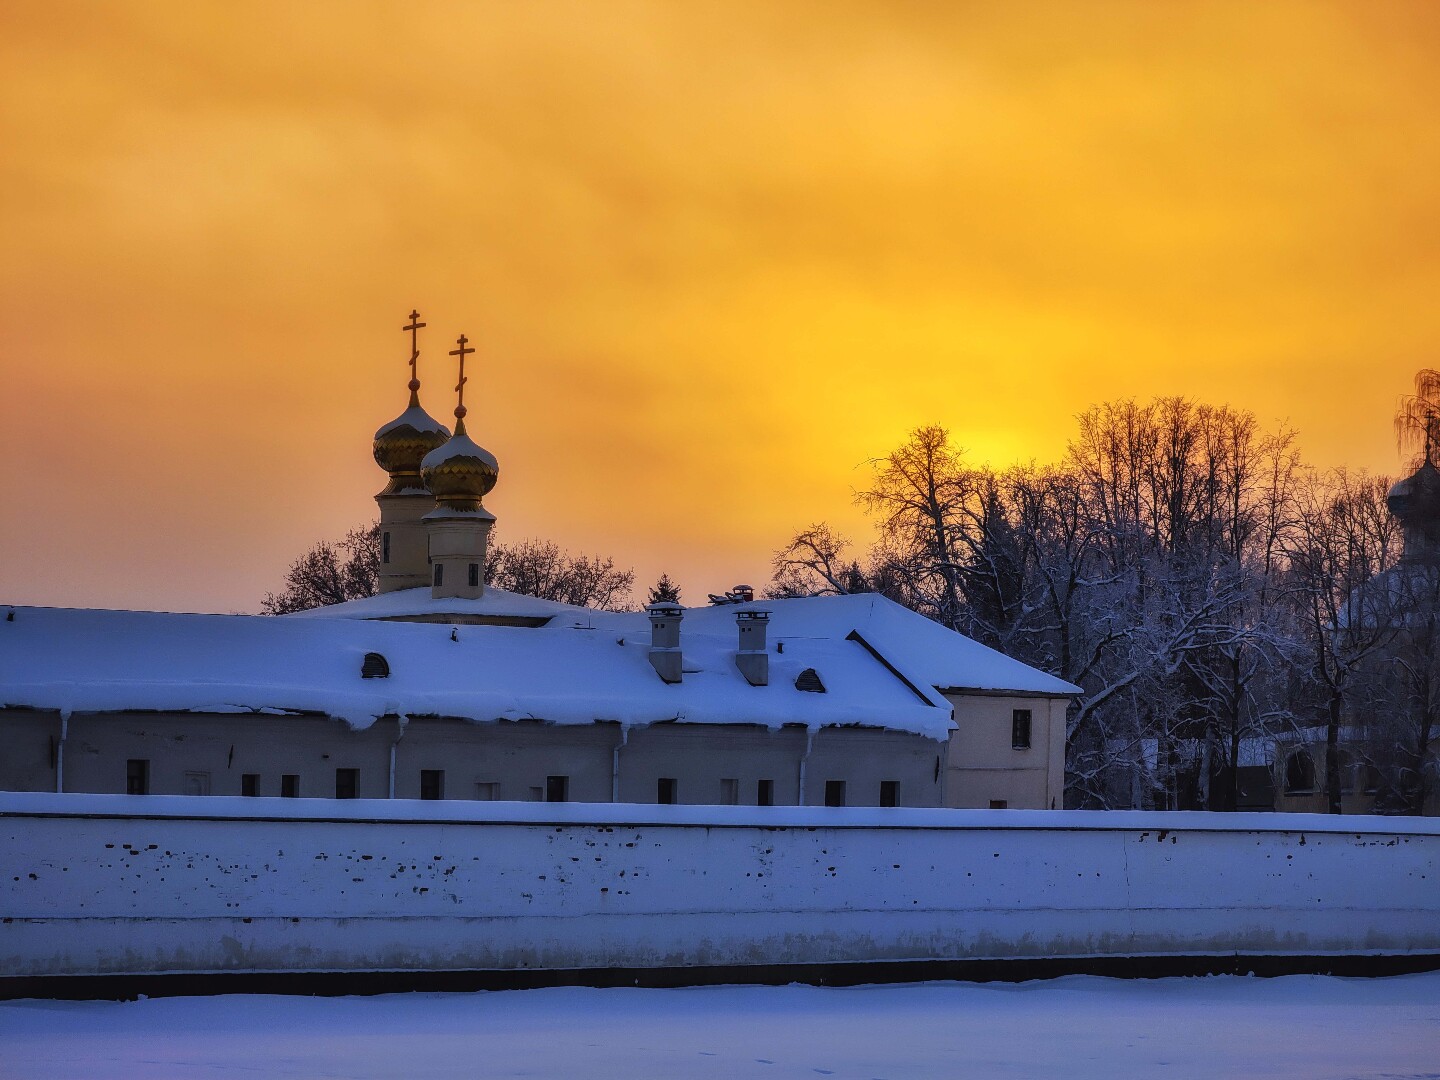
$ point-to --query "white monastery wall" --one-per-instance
(221, 749)
(30, 739)
(128, 885)
(511, 760)
(867, 757)
(699, 758)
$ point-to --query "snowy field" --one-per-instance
(1301, 1027)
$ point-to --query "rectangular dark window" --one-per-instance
(665, 790)
(250, 784)
(889, 792)
(557, 789)
(432, 783)
(1020, 729)
(834, 792)
(474, 574)
(999, 804)
(347, 782)
(290, 786)
(137, 776)
(439, 575)
(385, 547)
(765, 793)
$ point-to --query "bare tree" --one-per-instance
(1417, 421)
(540, 568)
(1344, 537)
(349, 569)
(331, 572)
(918, 496)
(813, 564)
(1180, 565)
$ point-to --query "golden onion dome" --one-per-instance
(401, 445)
(461, 472)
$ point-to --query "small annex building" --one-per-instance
(440, 687)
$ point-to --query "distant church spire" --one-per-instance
(462, 341)
(459, 474)
(414, 327)
(399, 448)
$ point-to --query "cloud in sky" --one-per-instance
(715, 257)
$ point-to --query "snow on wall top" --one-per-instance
(85, 660)
(239, 807)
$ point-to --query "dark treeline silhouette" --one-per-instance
(1190, 573)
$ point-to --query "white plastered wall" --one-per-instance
(984, 768)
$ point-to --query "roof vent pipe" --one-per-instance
(752, 659)
(665, 639)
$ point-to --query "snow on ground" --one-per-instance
(1301, 1027)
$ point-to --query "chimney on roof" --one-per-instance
(665, 639)
(752, 659)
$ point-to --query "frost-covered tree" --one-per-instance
(1394, 709)
(1144, 568)
(1343, 539)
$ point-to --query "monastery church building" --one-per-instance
(439, 687)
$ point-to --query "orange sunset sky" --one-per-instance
(714, 256)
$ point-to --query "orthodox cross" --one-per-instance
(413, 327)
(463, 342)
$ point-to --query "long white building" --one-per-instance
(441, 688)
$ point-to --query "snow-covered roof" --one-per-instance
(880, 664)
(417, 418)
(97, 661)
(459, 445)
(925, 650)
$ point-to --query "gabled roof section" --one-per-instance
(926, 652)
